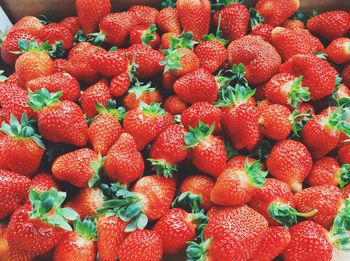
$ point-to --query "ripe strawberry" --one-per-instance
(338, 50)
(238, 162)
(166, 39)
(342, 92)
(32, 231)
(167, 81)
(167, 150)
(275, 12)
(80, 168)
(260, 59)
(78, 244)
(293, 24)
(212, 55)
(21, 149)
(289, 42)
(56, 32)
(168, 21)
(4, 248)
(263, 30)
(43, 182)
(86, 202)
(123, 162)
(344, 154)
(120, 84)
(235, 186)
(28, 23)
(234, 19)
(330, 25)
(146, 122)
(90, 12)
(240, 117)
(273, 243)
(142, 34)
(207, 151)
(59, 121)
(72, 23)
(291, 162)
(60, 81)
(141, 245)
(346, 75)
(60, 65)
(98, 92)
(194, 16)
(145, 15)
(174, 105)
(13, 190)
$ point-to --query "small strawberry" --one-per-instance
(59, 121)
(338, 50)
(28, 23)
(291, 162)
(167, 81)
(168, 21)
(55, 32)
(174, 105)
(72, 23)
(141, 34)
(145, 15)
(43, 182)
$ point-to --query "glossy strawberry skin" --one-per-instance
(263, 30)
(28, 23)
(145, 15)
(55, 32)
(324, 171)
(72, 23)
(120, 84)
(131, 102)
(168, 21)
(174, 105)
(108, 64)
(344, 154)
(212, 55)
(43, 182)
(338, 50)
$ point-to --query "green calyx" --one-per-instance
(43, 98)
(188, 201)
(163, 168)
(97, 38)
(196, 135)
(234, 95)
(86, 228)
(111, 108)
(300, 16)
(298, 94)
(198, 251)
(341, 224)
(185, 40)
(171, 61)
(56, 50)
(3, 77)
(149, 35)
(32, 46)
(256, 176)
(97, 168)
(340, 239)
(298, 120)
(338, 120)
(217, 36)
(43, 19)
(344, 175)
(153, 109)
(47, 207)
(124, 204)
(237, 74)
(168, 4)
(222, 3)
(342, 219)
(286, 215)
(21, 129)
(80, 37)
(138, 88)
(255, 17)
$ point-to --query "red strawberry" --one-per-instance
(263, 30)
(123, 162)
(142, 34)
(28, 23)
(21, 149)
(239, 162)
(212, 55)
(207, 151)
(338, 50)
(273, 243)
(57, 82)
(275, 12)
(98, 92)
(174, 105)
(167, 150)
(141, 245)
(120, 84)
(291, 162)
(168, 21)
(166, 39)
(235, 186)
(294, 24)
(90, 12)
(167, 81)
(342, 92)
(80, 168)
(59, 121)
(346, 75)
(344, 154)
(330, 25)
(60, 65)
(260, 58)
(43, 182)
(194, 16)
(13, 190)
(55, 32)
(72, 23)
(146, 122)
(145, 15)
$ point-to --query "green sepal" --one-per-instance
(113, 49)
(188, 201)
(31, 46)
(300, 16)
(340, 239)
(171, 61)
(298, 94)
(298, 120)
(342, 219)
(80, 37)
(168, 4)
(3, 78)
(47, 207)
(111, 108)
(195, 135)
(338, 120)
(43, 98)
(286, 215)
(56, 50)
(344, 175)
(234, 96)
(153, 109)
(218, 34)
(185, 40)
(198, 251)
(44, 20)
(148, 35)
(138, 88)
(21, 129)
(254, 171)
(163, 168)
(255, 17)
(86, 228)
(97, 38)
(97, 168)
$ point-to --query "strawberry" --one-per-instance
(291, 162)
(174, 105)
(72, 23)
(145, 15)
(201, 111)
(43, 182)
(59, 121)
(78, 244)
(293, 23)
(167, 81)
(141, 245)
(194, 16)
(230, 190)
(60, 65)
(342, 93)
(120, 84)
(4, 248)
(289, 42)
(28, 23)
(90, 12)
(98, 92)
(234, 19)
(80, 168)
(167, 150)
(346, 75)
(263, 30)
(207, 151)
(60, 81)
(123, 162)
(338, 50)
(344, 154)
(86, 202)
(260, 59)
(13, 189)
(168, 21)
(166, 39)
(21, 149)
(330, 25)
(32, 231)
(105, 129)
(55, 32)
(275, 12)
(212, 55)
(273, 243)
(145, 122)
(239, 162)
(240, 117)
(141, 34)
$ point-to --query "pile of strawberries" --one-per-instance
(204, 128)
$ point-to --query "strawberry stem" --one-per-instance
(86, 228)
(198, 251)
(97, 168)
(218, 34)
(43, 98)
(255, 17)
(97, 38)
(185, 40)
(256, 176)
(171, 61)
(234, 96)
(188, 201)
(153, 109)
(163, 168)
(344, 175)
(298, 94)
(195, 135)
(111, 108)
(148, 35)
(138, 88)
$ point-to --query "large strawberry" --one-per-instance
(55, 32)
(72, 23)
(145, 15)
(59, 121)
(168, 21)
(28, 23)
